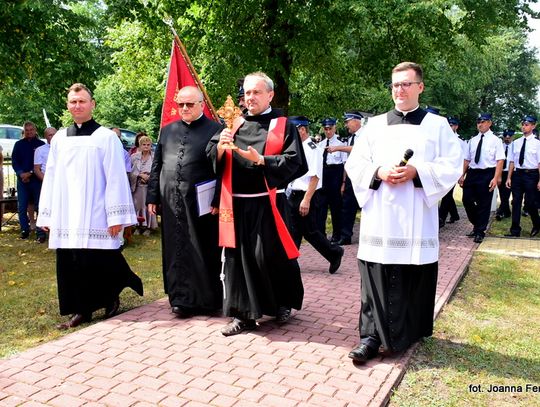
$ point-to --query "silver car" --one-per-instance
(8, 137)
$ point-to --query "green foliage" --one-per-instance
(131, 97)
(329, 56)
(47, 46)
(324, 56)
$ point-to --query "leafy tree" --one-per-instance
(324, 56)
(329, 56)
(48, 45)
(131, 97)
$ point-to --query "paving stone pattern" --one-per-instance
(147, 357)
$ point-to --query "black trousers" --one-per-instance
(350, 207)
(448, 206)
(331, 198)
(504, 193)
(306, 226)
(477, 198)
(397, 303)
(524, 183)
(90, 279)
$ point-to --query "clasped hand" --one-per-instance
(397, 175)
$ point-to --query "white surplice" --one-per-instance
(85, 190)
(400, 223)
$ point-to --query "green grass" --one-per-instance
(500, 228)
(489, 334)
(28, 296)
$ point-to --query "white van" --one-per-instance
(8, 136)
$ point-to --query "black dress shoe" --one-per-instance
(41, 239)
(25, 234)
(181, 312)
(337, 262)
(511, 234)
(112, 309)
(238, 326)
(471, 234)
(283, 315)
(453, 220)
(478, 239)
(363, 353)
(534, 231)
(498, 217)
(344, 241)
(75, 321)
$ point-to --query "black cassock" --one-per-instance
(90, 279)
(190, 252)
(259, 277)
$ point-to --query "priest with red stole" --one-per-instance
(261, 273)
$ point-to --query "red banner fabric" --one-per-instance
(179, 75)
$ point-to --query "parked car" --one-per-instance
(8, 136)
(128, 138)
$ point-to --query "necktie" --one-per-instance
(505, 156)
(325, 153)
(522, 152)
(352, 140)
(478, 149)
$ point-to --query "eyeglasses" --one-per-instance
(404, 85)
(189, 105)
(526, 123)
(328, 128)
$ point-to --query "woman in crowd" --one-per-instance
(136, 145)
(141, 163)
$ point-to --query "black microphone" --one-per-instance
(406, 157)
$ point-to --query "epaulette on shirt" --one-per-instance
(312, 145)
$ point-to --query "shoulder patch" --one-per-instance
(312, 145)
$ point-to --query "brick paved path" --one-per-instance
(146, 357)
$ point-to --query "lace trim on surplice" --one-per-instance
(94, 234)
(399, 243)
(119, 210)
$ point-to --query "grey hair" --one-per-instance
(261, 76)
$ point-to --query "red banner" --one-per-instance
(179, 76)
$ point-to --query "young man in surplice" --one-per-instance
(399, 232)
(85, 202)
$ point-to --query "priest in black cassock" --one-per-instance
(261, 273)
(85, 202)
(190, 252)
(398, 248)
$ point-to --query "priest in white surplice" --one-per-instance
(85, 201)
(399, 244)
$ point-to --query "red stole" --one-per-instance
(274, 146)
